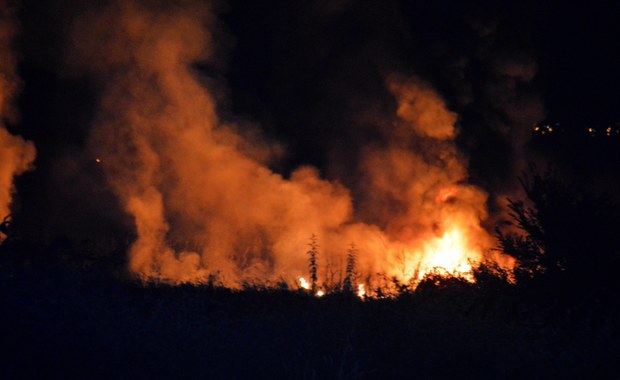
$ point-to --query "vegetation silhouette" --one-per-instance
(313, 254)
(566, 244)
(72, 308)
(350, 273)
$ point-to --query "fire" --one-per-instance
(450, 253)
(303, 283)
(361, 291)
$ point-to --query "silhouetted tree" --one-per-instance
(350, 269)
(568, 238)
(313, 254)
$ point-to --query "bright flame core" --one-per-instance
(449, 252)
(361, 291)
(303, 283)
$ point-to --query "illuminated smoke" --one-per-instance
(201, 199)
(417, 184)
(16, 154)
(204, 201)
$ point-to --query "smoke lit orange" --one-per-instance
(203, 199)
(16, 154)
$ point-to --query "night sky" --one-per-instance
(311, 75)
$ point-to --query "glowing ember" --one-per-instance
(303, 283)
(320, 293)
(361, 291)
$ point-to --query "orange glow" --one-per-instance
(204, 201)
(16, 154)
(446, 194)
(303, 283)
(453, 252)
(449, 252)
(361, 291)
(320, 293)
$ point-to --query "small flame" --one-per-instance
(320, 293)
(361, 291)
(303, 283)
(98, 160)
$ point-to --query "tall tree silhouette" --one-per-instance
(313, 254)
(350, 270)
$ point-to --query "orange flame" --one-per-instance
(361, 291)
(303, 283)
(449, 252)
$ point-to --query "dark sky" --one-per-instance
(574, 46)
(311, 74)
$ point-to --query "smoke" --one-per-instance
(16, 154)
(506, 106)
(417, 188)
(326, 67)
(514, 100)
(203, 200)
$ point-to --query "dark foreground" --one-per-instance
(65, 320)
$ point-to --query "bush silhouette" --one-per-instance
(569, 239)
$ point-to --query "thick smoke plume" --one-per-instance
(417, 187)
(205, 202)
(16, 154)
